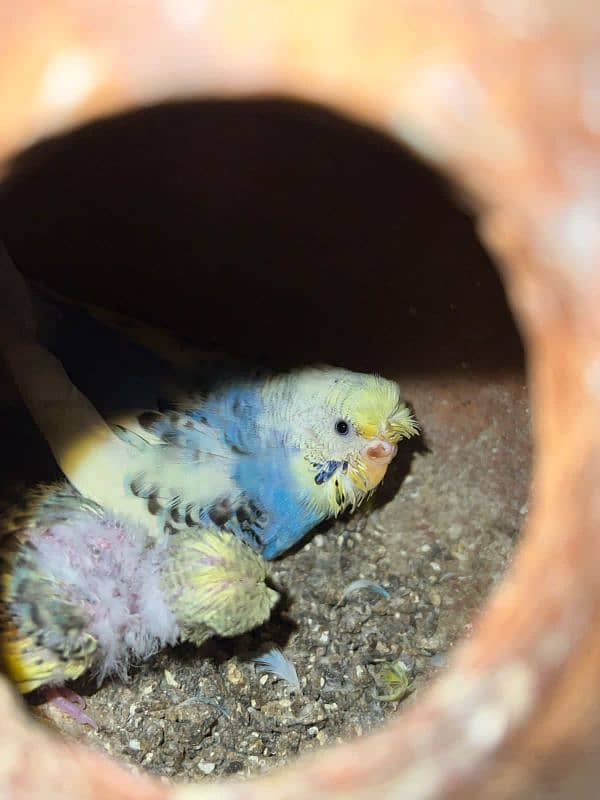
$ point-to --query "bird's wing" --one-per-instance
(187, 475)
(43, 635)
(164, 470)
(85, 447)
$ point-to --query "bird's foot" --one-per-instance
(70, 703)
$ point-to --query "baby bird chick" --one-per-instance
(81, 589)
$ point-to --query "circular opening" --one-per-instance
(280, 231)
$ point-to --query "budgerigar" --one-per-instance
(82, 589)
(265, 455)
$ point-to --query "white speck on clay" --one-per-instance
(593, 377)
(458, 689)
(425, 143)
(69, 79)
(446, 111)
(516, 684)
(581, 234)
(455, 87)
(522, 19)
(590, 93)
(184, 14)
(508, 693)
(554, 647)
(437, 93)
(571, 236)
(419, 782)
(486, 727)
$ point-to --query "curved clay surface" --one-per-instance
(503, 96)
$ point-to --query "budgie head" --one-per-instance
(347, 426)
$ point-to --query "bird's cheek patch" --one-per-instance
(325, 471)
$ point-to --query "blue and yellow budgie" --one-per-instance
(267, 457)
(83, 589)
(264, 455)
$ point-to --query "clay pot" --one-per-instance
(503, 98)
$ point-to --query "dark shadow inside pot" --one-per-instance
(266, 226)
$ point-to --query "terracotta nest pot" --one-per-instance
(504, 98)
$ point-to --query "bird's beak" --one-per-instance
(377, 455)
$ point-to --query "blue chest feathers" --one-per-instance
(273, 512)
(266, 477)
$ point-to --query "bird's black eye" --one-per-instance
(342, 427)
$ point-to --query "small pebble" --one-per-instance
(234, 673)
(170, 679)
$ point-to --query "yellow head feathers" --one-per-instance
(370, 403)
(373, 405)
